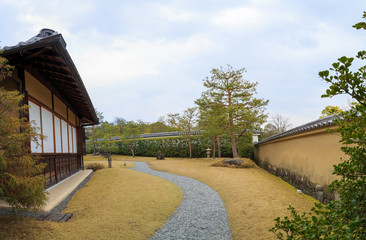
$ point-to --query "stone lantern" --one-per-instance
(208, 152)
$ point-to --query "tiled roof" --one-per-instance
(320, 123)
(46, 58)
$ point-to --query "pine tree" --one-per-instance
(233, 98)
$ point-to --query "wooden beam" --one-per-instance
(37, 53)
(58, 82)
(40, 65)
(57, 74)
(55, 64)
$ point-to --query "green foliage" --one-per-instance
(95, 166)
(129, 130)
(172, 147)
(245, 146)
(212, 122)
(361, 25)
(94, 132)
(108, 132)
(344, 218)
(185, 122)
(21, 182)
(330, 110)
(160, 126)
(5, 68)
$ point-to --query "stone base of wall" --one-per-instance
(315, 190)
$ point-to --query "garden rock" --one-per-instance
(236, 162)
(320, 196)
(160, 155)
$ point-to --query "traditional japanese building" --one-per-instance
(58, 101)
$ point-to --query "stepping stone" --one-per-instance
(55, 217)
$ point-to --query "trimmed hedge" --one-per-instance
(175, 147)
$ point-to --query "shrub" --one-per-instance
(22, 183)
(247, 163)
(95, 166)
(175, 147)
(160, 155)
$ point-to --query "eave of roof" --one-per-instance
(320, 123)
(45, 55)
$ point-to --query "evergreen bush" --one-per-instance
(175, 147)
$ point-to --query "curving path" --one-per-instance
(201, 215)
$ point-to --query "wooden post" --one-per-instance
(109, 161)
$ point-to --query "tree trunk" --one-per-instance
(92, 137)
(233, 145)
(218, 146)
(214, 148)
(189, 143)
(231, 127)
(238, 147)
(132, 149)
(94, 152)
(109, 161)
(232, 137)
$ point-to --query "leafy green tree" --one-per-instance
(235, 98)
(108, 131)
(93, 132)
(21, 182)
(161, 126)
(185, 122)
(131, 135)
(121, 123)
(330, 110)
(344, 218)
(142, 126)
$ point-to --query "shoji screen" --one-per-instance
(35, 116)
(47, 128)
(65, 145)
(74, 140)
(70, 139)
(58, 134)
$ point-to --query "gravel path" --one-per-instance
(201, 215)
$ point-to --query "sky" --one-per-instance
(143, 59)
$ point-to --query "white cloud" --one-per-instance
(59, 15)
(244, 17)
(119, 60)
(176, 15)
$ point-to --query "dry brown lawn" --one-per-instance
(117, 203)
(252, 196)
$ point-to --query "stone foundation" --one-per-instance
(315, 190)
